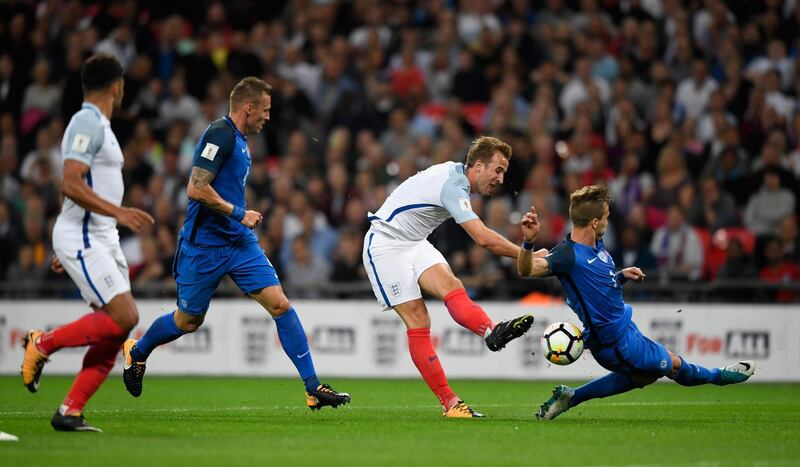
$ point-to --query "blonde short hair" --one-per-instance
(483, 148)
(588, 203)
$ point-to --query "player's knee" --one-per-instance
(188, 323)
(280, 306)
(417, 318)
(641, 381)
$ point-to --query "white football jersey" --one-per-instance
(88, 138)
(423, 202)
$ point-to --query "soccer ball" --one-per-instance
(562, 343)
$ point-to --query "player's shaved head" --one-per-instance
(588, 203)
(483, 149)
(248, 90)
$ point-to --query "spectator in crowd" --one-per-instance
(482, 274)
(714, 208)
(769, 206)
(42, 97)
(677, 248)
(307, 274)
(738, 264)
(347, 265)
(633, 252)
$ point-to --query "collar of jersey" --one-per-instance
(228, 120)
(93, 108)
(597, 246)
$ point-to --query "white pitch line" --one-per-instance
(391, 407)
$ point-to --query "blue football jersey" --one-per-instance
(222, 150)
(590, 280)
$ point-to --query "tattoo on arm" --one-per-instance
(202, 178)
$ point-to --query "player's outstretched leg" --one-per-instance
(689, 374)
(506, 331)
(134, 353)
(471, 316)
(90, 329)
(565, 397)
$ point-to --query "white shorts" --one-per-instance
(394, 267)
(100, 272)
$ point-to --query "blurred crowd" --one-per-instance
(689, 110)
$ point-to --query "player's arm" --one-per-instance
(75, 188)
(529, 263)
(217, 147)
(632, 273)
(84, 139)
(489, 239)
(455, 197)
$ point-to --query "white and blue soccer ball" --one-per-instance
(562, 343)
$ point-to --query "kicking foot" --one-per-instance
(557, 404)
(506, 331)
(132, 372)
(326, 396)
(738, 372)
(462, 410)
(33, 361)
(71, 423)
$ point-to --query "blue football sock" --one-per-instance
(295, 344)
(608, 385)
(162, 330)
(694, 375)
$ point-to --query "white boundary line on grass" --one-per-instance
(388, 407)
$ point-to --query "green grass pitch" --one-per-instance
(250, 421)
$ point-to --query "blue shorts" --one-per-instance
(635, 354)
(198, 269)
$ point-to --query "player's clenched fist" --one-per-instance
(252, 219)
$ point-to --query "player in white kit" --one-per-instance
(400, 262)
(86, 245)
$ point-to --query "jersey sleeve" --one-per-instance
(455, 198)
(215, 147)
(83, 138)
(561, 259)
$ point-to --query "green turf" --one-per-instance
(237, 421)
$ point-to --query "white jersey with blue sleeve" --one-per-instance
(396, 250)
(421, 203)
(88, 139)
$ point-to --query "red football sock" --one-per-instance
(467, 313)
(427, 362)
(87, 330)
(97, 363)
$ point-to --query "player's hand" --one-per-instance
(530, 225)
(541, 253)
(634, 274)
(252, 219)
(55, 265)
(133, 218)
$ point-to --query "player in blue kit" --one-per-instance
(594, 292)
(217, 239)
